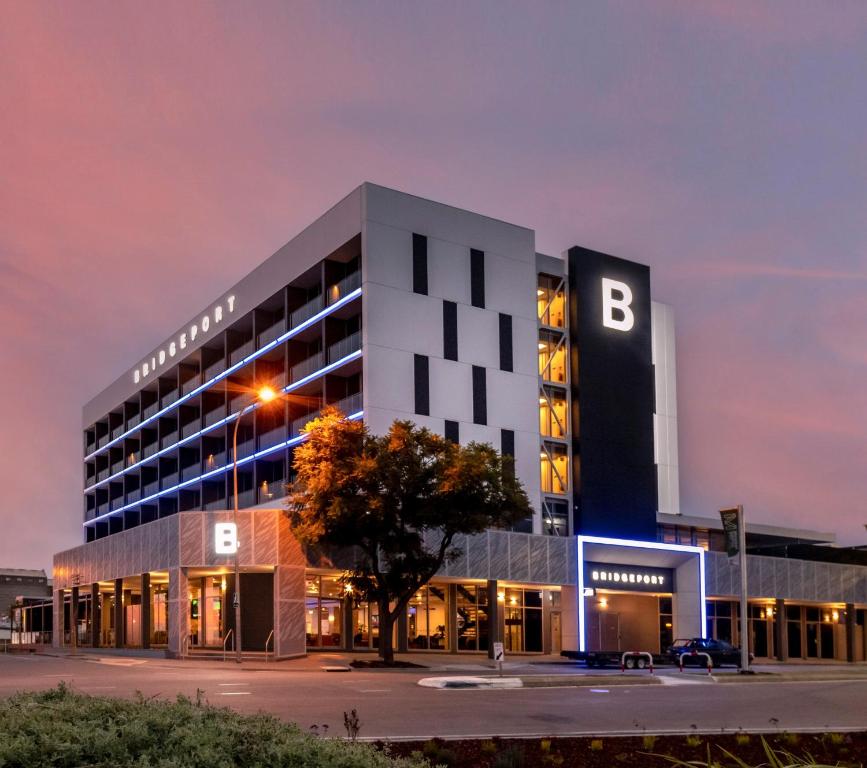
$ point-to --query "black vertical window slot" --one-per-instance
(453, 431)
(480, 398)
(477, 278)
(450, 330)
(505, 342)
(419, 264)
(422, 385)
(507, 450)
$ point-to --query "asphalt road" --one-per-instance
(390, 704)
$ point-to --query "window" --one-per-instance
(324, 611)
(555, 517)
(452, 431)
(522, 612)
(422, 385)
(507, 442)
(551, 301)
(426, 619)
(477, 278)
(666, 623)
(480, 397)
(472, 617)
(552, 357)
(552, 412)
(555, 469)
(505, 342)
(419, 264)
(450, 330)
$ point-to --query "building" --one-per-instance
(20, 587)
(391, 306)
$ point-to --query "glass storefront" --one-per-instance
(427, 619)
(522, 613)
(472, 617)
(324, 611)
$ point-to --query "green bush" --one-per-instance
(63, 729)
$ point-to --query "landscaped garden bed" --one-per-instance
(791, 750)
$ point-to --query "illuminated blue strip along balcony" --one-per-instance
(210, 428)
(220, 376)
(210, 474)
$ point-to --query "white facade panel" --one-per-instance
(389, 256)
(448, 266)
(510, 285)
(665, 420)
(478, 336)
(451, 390)
(403, 320)
(389, 380)
(513, 401)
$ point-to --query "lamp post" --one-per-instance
(265, 395)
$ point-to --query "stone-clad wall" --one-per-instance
(776, 577)
(510, 556)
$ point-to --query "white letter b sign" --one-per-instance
(621, 302)
(225, 538)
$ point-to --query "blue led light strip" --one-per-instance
(231, 417)
(220, 376)
(212, 473)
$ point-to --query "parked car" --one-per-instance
(720, 651)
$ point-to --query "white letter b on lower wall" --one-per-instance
(610, 303)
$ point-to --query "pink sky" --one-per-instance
(152, 155)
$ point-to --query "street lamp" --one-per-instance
(264, 395)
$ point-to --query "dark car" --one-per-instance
(719, 651)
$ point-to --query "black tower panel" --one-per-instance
(614, 475)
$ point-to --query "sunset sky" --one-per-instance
(153, 154)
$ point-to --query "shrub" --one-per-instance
(693, 741)
(648, 741)
(595, 745)
(510, 758)
(62, 728)
(742, 739)
(488, 747)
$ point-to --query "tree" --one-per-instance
(381, 494)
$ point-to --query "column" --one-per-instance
(402, 633)
(178, 612)
(95, 615)
(289, 635)
(57, 626)
(569, 598)
(781, 637)
(145, 610)
(452, 617)
(850, 632)
(73, 619)
(494, 635)
(118, 613)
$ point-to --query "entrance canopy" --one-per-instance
(644, 566)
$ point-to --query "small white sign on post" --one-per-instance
(498, 656)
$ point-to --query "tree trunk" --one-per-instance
(386, 632)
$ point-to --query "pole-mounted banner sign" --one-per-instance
(731, 528)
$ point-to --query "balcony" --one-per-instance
(245, 499)
(306, 367)
(169, 439)
(89, 448)
(115, 503)
(214, 370)
(101, 441)
(188, 473)
(190, 384)
(348, 405)
(271, 332)
(272, 437)
(246, 448)
(305, 312)
(271, 491)
(212, 417)
(133, 421)
(117, 431)
(237, 355)
(169, 481)
(190, 428)
(116, 467)
(216, 504)
(133, 496)
(343, 288)
(344, 347)
(213, 461)
(169, 398)
(102, 474)
(102, 509)
(148, 450)
(150, 410)
(149, 489)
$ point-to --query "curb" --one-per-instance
(471, 682)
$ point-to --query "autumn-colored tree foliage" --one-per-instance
(381, 494)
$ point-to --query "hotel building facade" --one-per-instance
(394, 307)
